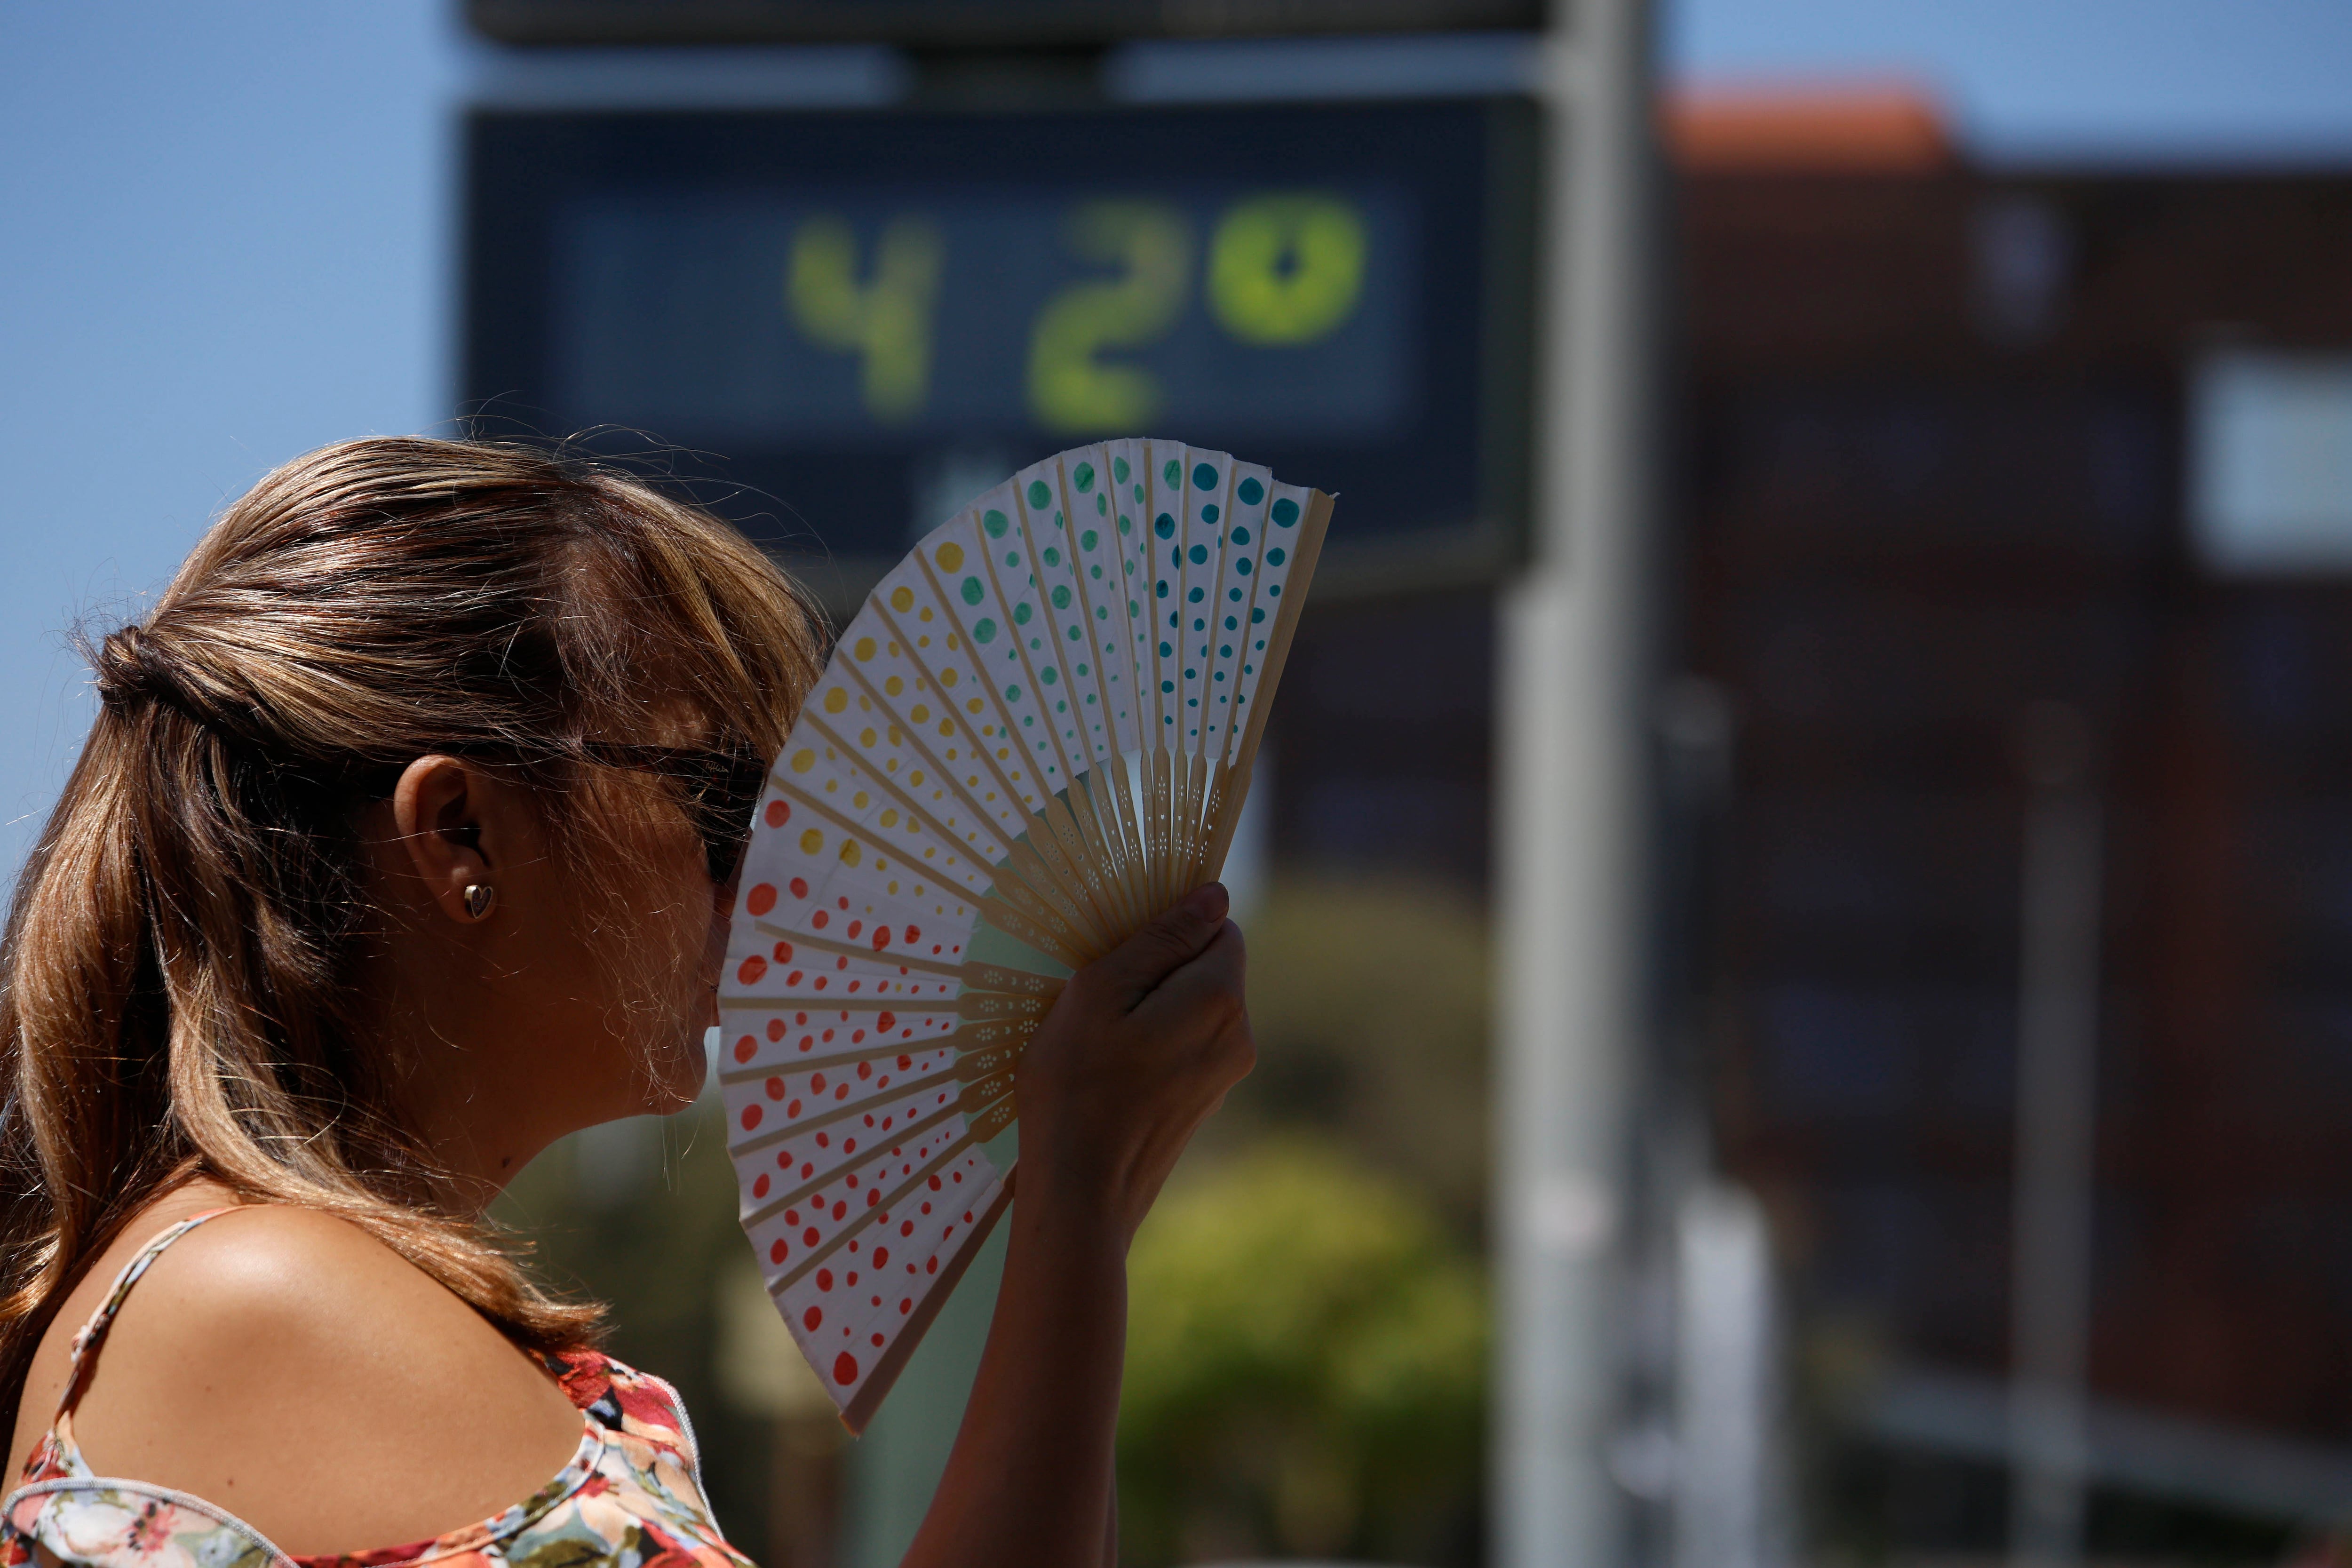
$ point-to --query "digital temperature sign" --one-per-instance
(841, 318)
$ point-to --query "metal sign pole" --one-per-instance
(1570, 823)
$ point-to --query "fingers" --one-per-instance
(1139, 965)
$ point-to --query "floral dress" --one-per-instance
(631, 1497)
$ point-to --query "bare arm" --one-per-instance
(1141, 1048)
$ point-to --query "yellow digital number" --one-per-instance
(886, 321)
(1070, 389)
(1286, 269)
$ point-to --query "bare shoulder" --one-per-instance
(290, 1368)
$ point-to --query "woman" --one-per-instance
(402, 846)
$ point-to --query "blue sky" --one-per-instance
(229, 231)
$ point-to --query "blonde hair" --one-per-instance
(175, 982)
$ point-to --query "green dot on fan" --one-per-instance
(1021, 613)
(1053, 556)
(1251, 491)
(1087, 540)
(995, 522)
(1051, 676)
(983, 630)
(1074, 631)
(1133, 609)
(1204, 477)
(1165, 650)
(1173, 474)
(1061, 598)
(1125, 523)
(973, 592)
(1138, 494)
(1039, 494)
(1102, 506)
(1012, 694)
(1102, 612)
(1119, 470)
(1286, 513)
(1084, 476)
(1012, 558)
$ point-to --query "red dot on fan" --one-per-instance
(744, 1048)
(845, 1369)
(855, 926)
(877, 1342)
(881, 937)
(775, 1028)
(839, 1208)
(759, 1187)
(844, 903)
(888, 1023)
(808, 1238)
(778, 1253)
(913, 934)
(819, 919)
(783, 952)
(794, 1109)
(750, 1117)
(935, 1183)
(778, 813)
(775, 1089)
(881, 1257)
(824, 1276)
(761, 898)
(751, 970)
(810, 1319)
(906, 1305)
(931, 1267)
(799, 886)
(907, 1227)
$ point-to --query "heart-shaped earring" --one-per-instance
(480, 899)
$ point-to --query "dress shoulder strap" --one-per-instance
(92, 1334)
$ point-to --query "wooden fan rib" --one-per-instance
(836, 1173)
(855, 950)
(1051, 811)
(1070, 884)
(885, 1373)
(1129, 912)
(969, 1040)
(1309, 549)
(1029, 933)
(924, 754)
(851, 829)
(857, 1227)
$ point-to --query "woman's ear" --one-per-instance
(441, 810)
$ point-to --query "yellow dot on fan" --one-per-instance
(894, 686)
(926, 614)
(850, 853)
(811, 841)
(804, 760)
(948, 677)
(920, 714)
(923, 641)
(947, 729)
(863, 649)
(916, 779)
(950, 556)
(972, 706)
(835, 700)
(865, 736)
(894, 890)
(902, 599)
(858, 800)
(890, 819)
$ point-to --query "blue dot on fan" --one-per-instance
(1204, 477)
(1276, 557)
(1286, 513)
(1251, 491)
(1209, 513)
(1198, 553)
(1241, 536)
(1164, 526)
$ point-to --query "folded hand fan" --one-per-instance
(1035, 736)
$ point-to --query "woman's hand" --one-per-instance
(1142, 1045)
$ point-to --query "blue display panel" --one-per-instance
(837, 320)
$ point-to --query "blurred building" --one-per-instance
(1959, 454)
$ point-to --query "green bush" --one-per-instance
(1305, 1366)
